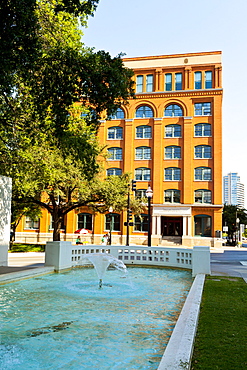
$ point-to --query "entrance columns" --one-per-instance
(184, 225)
(189, 225)
(156, 225)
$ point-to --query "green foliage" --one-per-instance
(48, 79)
(230, 215)
(22, 248)
(221, 336)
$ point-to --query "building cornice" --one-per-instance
(182, 93)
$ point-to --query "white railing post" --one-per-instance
(201, 260)
(58, 254)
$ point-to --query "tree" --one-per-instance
(50, 107)
(230, 215)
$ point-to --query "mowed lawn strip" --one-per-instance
(221, 339)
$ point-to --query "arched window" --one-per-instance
(141, 223)
(143, 152)
(203, 174)
(203, 151)
(84, 221)
(172, 174)
(203, 196)
(118, 115)
(112, 222)
(172, 152)
(115, 154)
(114, 172)
(172, 196)
(173, 131)
(142, 174)
(144, 111)
(115, 133)
(143, 132)
(203, 129)
(173, 110)
(203, 225)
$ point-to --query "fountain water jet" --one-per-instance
(101, 261)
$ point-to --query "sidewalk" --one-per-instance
(23, 261)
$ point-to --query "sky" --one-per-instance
(162, 27)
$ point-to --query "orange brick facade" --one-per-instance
(169, 137)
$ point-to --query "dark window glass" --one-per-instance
(202, 196)
(178, 81)
(144, 132)
(173, 110)
(173, 152)
(144, 112)
(115, 133)
(112, 222)
(198, 80)
(118, 115)
(84, 221)
(172, 174)
(208, 80)
(172, 196)
(173, 131)
(203, 129)
(168, 82)
(114, 172)
(202, 225)
(203, 173)
(202, 109)
(142, 174)
(141, 223)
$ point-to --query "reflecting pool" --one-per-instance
(64, 321)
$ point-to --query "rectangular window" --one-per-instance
(149, 83)
(178, 81)
(208, 80)
(139, 84)
(198, 80)
(168, 82)
(31, 224)
(202, 109)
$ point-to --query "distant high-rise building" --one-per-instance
(233, 190)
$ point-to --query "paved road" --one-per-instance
(31, 259)
(232, 262)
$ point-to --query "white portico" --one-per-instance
(178, 219)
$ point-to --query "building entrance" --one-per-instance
(172, 226)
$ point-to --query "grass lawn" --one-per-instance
(19, 247)
(221, 340)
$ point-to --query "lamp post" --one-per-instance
(110, 211)
(149, 195)
(237, 231)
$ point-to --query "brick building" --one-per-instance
(169, 137)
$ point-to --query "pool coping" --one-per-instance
(12, 277)
(179, 350)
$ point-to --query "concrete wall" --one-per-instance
(5, 215)
(63, 255)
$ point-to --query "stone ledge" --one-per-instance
(179, 349)
(25, 274)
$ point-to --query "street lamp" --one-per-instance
(237, 231)
(149, 194)
(111, 219)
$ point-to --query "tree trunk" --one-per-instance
(56, 225)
